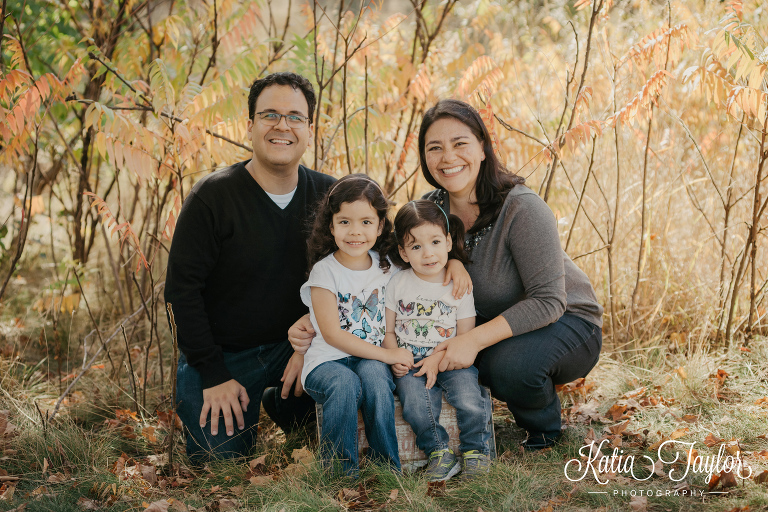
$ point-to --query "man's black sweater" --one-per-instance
(236, 264)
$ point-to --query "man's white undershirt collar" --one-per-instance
(282, 200)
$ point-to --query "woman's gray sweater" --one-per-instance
(519, 270)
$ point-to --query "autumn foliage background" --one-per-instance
(642, 123)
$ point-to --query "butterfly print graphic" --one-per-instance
(370, 306)
(421, 310)
(406, 310)
(363, 333)
(445, 333)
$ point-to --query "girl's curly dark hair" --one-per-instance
(348, 189)
(423, 211)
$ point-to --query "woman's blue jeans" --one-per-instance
(422, 406)
(523, 371)
(342, 387)
(255, 369)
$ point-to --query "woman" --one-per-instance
(539, 322)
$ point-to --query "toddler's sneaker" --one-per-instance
(474, 464)
(442, 465)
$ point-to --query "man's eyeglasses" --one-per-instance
(273, 118)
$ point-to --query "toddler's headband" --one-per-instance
(447, 222)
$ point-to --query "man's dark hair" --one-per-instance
(284, 78)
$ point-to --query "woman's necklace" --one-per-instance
(470, 241)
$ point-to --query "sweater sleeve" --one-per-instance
(533, 242)
(192, 257)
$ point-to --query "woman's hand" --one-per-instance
(460, 352)
(300, 335)
(462, 283)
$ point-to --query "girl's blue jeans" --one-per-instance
(422, 406)
(342, 387)
(523, 371)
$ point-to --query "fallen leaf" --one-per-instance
(7, 490)
(56, 478)
(394, 492)
(635, 393)
(727, 479)
(638, 503)
(295, 470)
(87, 504)
(619, 428)
(762, 401)
(712, 440)
(259, 465)
(148, 473)
(732, 447)
(157, 506)
(302, 456)
(677, 434)
(658, 468)
(347, 495)
(228, 504)
(691, 418)
(616, 412)
(436, 489)
(762, 477)
(261, 480)
(682, 373)
(149, 434)
(236, 490)
(713, 481)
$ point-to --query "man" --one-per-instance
(237, 261)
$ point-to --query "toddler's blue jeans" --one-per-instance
(422, 406)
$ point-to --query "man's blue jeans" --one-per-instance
(524, 369)
(255, 369)
(342, 387)
(422, 406)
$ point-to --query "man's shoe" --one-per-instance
(474, 464)
(540, 441)
(442, 465)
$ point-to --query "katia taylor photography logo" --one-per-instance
(681, 456)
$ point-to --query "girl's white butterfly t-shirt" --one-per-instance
(360, 296)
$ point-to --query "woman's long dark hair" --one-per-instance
(348, 189)
(423, 211)
(494, 181)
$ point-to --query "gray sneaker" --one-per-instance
(474, 464)
(442, 465)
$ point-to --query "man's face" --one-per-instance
(280, 147)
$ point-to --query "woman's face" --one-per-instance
(453, 155)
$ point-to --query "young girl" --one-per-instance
(345, 368)
(420, 314)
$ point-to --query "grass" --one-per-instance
(82, 448)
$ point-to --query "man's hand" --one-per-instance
(459, 353)
(292, 374)
(300, 335)
(224, 399)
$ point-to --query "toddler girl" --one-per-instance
(421, 312)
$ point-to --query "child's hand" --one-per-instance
(400, 370)
(462, 283)
(399, 356)
(429, 367)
